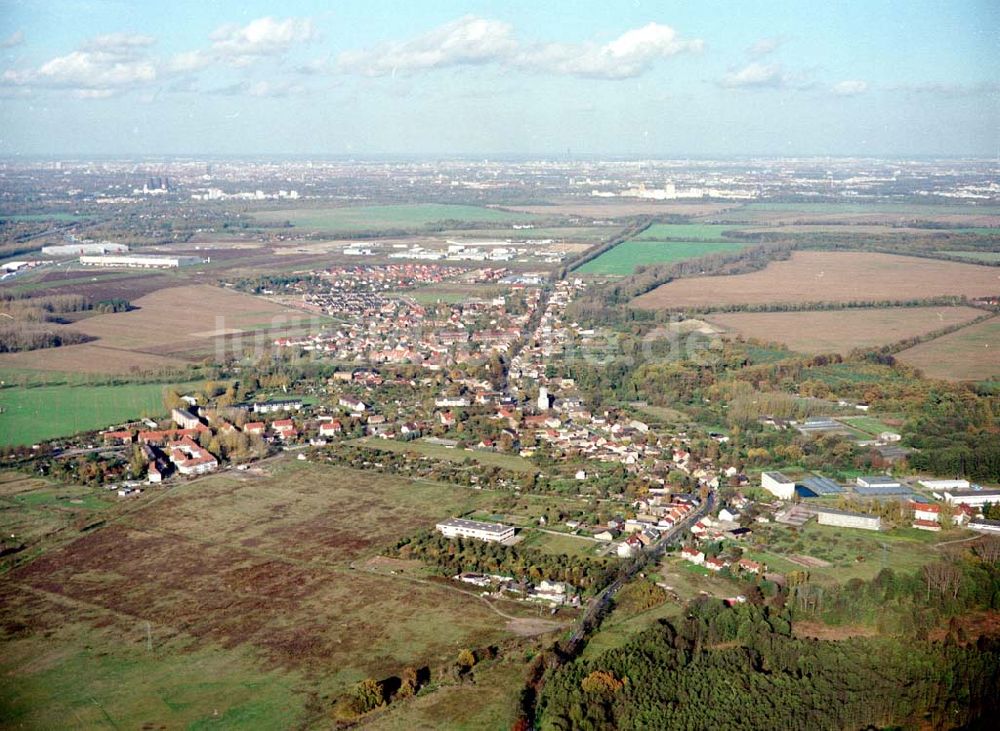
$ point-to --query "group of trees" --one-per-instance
(32, 323)
(454, 556)
(910, 603)
(722, 667)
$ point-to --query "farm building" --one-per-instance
(460, 528)
(138, 261)
(778, 485)
(847, 519)
(945, 484)
(983, 525)
(972, 497)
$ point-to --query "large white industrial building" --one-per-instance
(778, 485)
(136, 261)
(89, 247)
(460, 528)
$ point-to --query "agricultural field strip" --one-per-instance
(822, 323)
(823, 276)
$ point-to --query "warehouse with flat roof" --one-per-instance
(461, 528)
(139, 261)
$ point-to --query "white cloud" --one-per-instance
(631, 54)
(92, 70)
(755, 75)
(765, 46)
(850, 87)
(188, 61)
(101, 67)
(261, 37)
(468, 40)
(476, 41)
(14, 39)
(123, 44)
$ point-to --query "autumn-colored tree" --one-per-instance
(601, 681)
(466, 659)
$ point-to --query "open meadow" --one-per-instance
(969, 354)
(686, 232)
(387, 218)
(893, 214)
(31, 415)
(624, 258)
(839, 331)
(844, 553)
(824, 276)
(233, 601)
(512, 462)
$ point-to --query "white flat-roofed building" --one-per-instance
(945, 484)
(461, 528)
(136, 261)
(982, 525)
(878, 481)
(89, 247)
(778, 485)
(972, 497)
(847, 519)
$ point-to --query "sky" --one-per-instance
(636, 78)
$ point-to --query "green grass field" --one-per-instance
(915, 208)
(867, 424)
(33, 414)
(507, 461)
(624, 258)
(61, 217)
(685, 232)
(988, 256)
(568, 233)
(852, 553)
(378, 218)
(561, 544)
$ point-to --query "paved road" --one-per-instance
(599, 604)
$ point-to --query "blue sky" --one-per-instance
(698, 78)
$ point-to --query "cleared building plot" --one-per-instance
(969, 354)
(840, 331)
(829, 276)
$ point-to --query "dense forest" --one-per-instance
(741, 668)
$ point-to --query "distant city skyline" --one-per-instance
(667, 79)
